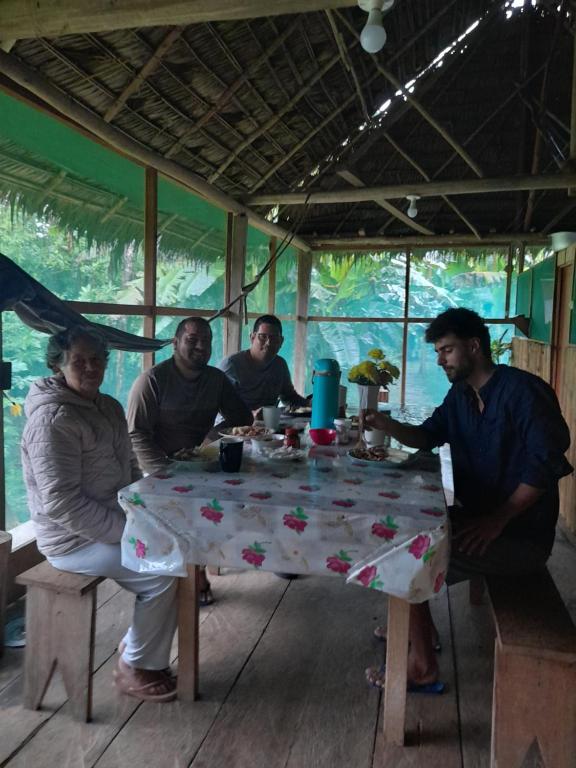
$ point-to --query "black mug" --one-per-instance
(231, 454)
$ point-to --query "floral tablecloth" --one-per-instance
(381, 527)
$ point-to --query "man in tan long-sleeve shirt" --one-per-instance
(173, 405)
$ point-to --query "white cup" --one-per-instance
(375, 437)
(271, 415)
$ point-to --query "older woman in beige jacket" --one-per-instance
(76, 455)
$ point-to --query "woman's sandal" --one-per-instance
(376, 678)
(143, 692)
(380, 634)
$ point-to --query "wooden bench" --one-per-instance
(534, 703)
(60, 622)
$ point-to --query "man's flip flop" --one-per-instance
(205, 597)
(122, 647)
(376, 677)
(380, 634)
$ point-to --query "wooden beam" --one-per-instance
(237, 264)
(272, 278)
(427, 189)
(355, 181)
(65, 105)
(54, 18)
(438, 241)
(572, 190)
(229, 92)
(415, 103)
(150, 257)
(146, 70)
(301, 335)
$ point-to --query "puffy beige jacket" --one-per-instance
(76, 455)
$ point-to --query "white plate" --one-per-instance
(393, 460)
(283, 454)
(229, 433)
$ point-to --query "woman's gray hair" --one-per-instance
(60, 343)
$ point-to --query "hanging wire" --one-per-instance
(280, 250)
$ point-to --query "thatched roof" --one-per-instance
(275, 105)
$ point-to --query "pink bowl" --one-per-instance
(323, 436)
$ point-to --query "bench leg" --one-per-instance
(533, 712)
(60, 632)
(188, 635)
(396, 670)
(40, 653)
(76, 649)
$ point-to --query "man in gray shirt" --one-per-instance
(259, 375)
(173, 405)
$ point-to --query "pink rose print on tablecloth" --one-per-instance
(439, 581)
(182, 488)
(309, 488)
(234, 481)
(389, 494)
(213, 512)
(368, 577)
(419, 546)
(353, 481)
(340, 562)
(431, 487)
(261, 495)
(385, 529)
(344, 503)
(296, 520)
(136, 500)
(433, 511)
(255, 554)
(139, 546)
(163, 475)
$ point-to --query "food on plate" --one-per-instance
(187, 454)
(285, 453)
(251, 431)
(369, 454)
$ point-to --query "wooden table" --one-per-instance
(379, 526)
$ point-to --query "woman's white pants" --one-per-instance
(149, 638)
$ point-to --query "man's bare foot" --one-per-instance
(380, 634)
(145, 684)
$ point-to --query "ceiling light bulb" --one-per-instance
(373, 35)
(412, 208)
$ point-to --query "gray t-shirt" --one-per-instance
(167, 412)
(261, 385)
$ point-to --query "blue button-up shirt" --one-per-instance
(520, 437)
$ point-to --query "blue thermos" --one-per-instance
(325, 389)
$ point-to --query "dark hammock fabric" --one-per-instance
(40, 309)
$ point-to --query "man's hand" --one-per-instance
(474, 538)
(376, 420)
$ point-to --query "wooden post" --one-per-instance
(188, 635)
(2, 467)
(300, 337)
(396, 670)
(5, 550)
(150, 258)
(272, 279)
(509, 270)
(405, 330)
(235, 269)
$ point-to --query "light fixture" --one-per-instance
(373, 35)
(412, 208)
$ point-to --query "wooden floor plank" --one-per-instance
(474, 636)
(17, 723)
(168, 735)
(61, 740)
(301, 699)
(432, 735)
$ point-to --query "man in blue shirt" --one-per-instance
(508, 439)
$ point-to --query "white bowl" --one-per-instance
(561, 240)
(265, 443)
